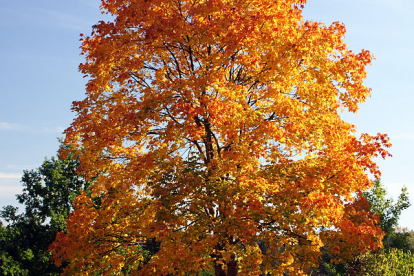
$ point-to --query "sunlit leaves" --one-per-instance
(214, 127)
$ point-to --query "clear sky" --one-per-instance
(39, 50)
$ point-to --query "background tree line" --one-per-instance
(48, 194)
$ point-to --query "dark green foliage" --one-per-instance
(402, 239)
(326, 267)
(48, 193)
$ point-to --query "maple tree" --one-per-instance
(214, 128)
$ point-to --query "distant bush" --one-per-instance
(393, 262)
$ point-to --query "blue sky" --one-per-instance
(39, 50)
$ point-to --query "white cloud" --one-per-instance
(10, 175)
(18, 168)
(9, 126)
(9, 186)
(51, 129)
(6, 126)
(10, 191)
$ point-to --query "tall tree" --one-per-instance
(48, 194)
(215, 125)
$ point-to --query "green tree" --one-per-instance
(397, 242)
(12, 255)
(48, 193)
(388, 211)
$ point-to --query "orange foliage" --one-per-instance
(213, 126)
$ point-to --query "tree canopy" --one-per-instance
(214, 128)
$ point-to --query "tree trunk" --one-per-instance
(218, 270)
(232, 268)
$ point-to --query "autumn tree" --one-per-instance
(215, 127)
